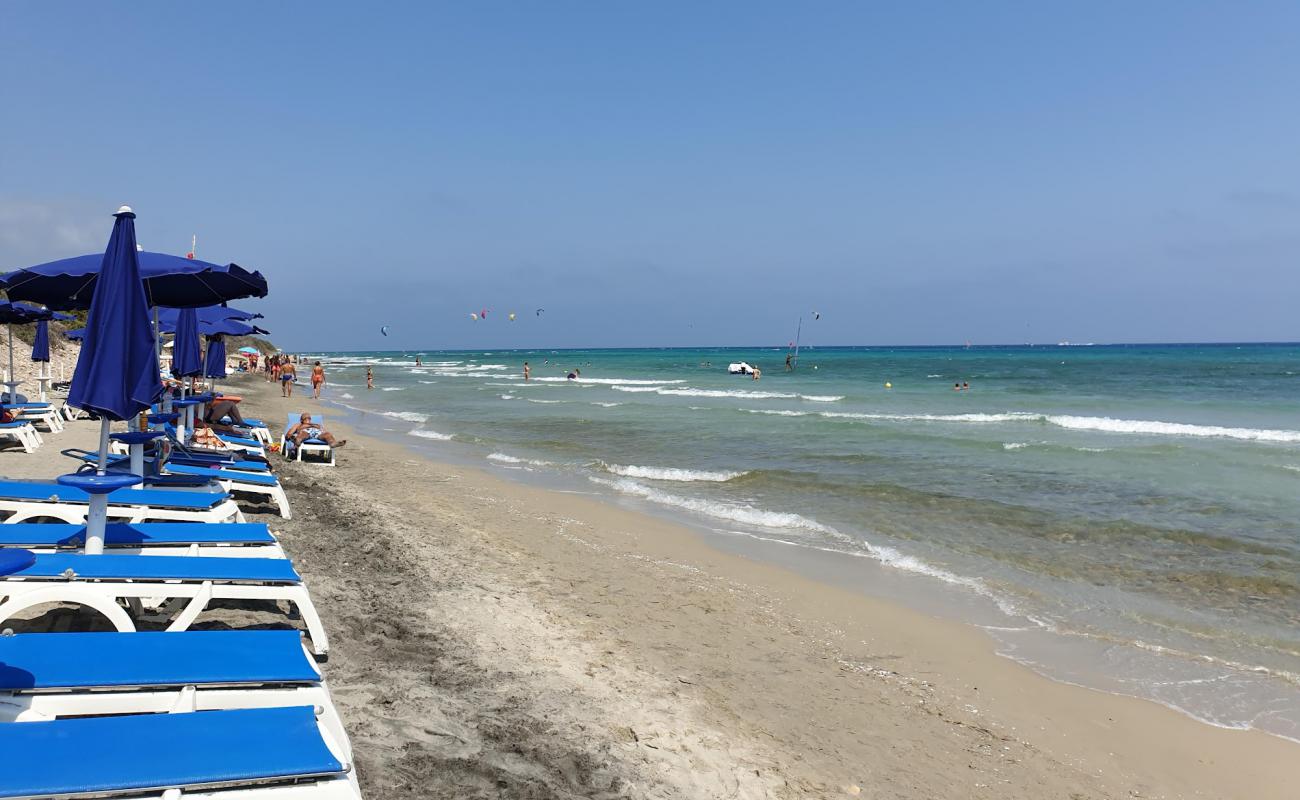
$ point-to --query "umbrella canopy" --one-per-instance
(76, 334)
(117, 372)
(15, 313)
(169, 281)
(187, 355)
(216, 357)
(252, 351)
(41, 346)
(167, 316)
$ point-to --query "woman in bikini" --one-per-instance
(317, 380)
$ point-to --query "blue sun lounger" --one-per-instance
(154, 538)
(188, 584)
(263, 749)
(46, 676)
(260, 483)
(25, 500)
(318, 446)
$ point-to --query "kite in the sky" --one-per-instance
(384, 330)
(512, 316)
(473, 317)
(817, 315)
(539, 311)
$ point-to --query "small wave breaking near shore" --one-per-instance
(670, 473)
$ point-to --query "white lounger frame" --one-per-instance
(48, 416)
(103, 595)
(26, 435)
(75, 513)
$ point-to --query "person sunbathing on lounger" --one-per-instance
(226, 408)
(305, 429)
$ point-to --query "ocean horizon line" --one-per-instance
(662, 348)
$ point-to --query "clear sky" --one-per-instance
(676, 173)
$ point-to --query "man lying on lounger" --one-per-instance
(305, 429)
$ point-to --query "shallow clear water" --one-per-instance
(1130, 510)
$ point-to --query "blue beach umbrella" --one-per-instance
(41, 345)
(75, 334)
(117, 373)
(215, 358)
(187, 355)
(207, 314)
(170, 281)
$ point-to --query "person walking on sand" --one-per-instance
(317, 380)
(527, 371)
(370, 378)
(286, 379)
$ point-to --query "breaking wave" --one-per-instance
(670, 473)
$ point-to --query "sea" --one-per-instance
(1123, 517)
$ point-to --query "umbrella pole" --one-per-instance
(97, 516)
(12, 383)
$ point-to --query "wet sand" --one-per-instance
(491, 639)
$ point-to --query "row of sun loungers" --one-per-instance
(242, 714)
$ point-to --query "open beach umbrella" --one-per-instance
(252, 351)
(9, 314)
(207, 314)
(187, 355)
(170, 281)
(75, 334)
(117, 373)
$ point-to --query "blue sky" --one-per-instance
(678, 173)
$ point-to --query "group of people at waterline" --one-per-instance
(283, 369)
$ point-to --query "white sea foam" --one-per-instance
(545, 402)
(346, 396)
(1014, 445)
(1158, 428)
(670, 473)
(744, 514)
(426, 383)
(394, 388)
(408, 416)
(503, 458)
(609, 381)
(778, 412)
(740, 393)
(602, 405)
(426, 434)
(507, 397)
(1101, 424)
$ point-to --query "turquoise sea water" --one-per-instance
(1125, 517)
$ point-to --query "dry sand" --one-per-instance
(498, 640)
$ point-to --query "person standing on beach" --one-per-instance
(758, 373)
(370, 378)
(317, 380)
(527, 371)
(286, 379)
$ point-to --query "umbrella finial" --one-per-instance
(125, 210)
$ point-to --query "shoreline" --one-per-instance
(1068, 657)
(845, 685)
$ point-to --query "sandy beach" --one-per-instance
(491, 639)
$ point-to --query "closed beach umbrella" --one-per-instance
(117, 372)
(216, 357)
(41, 346)
(187, 354)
